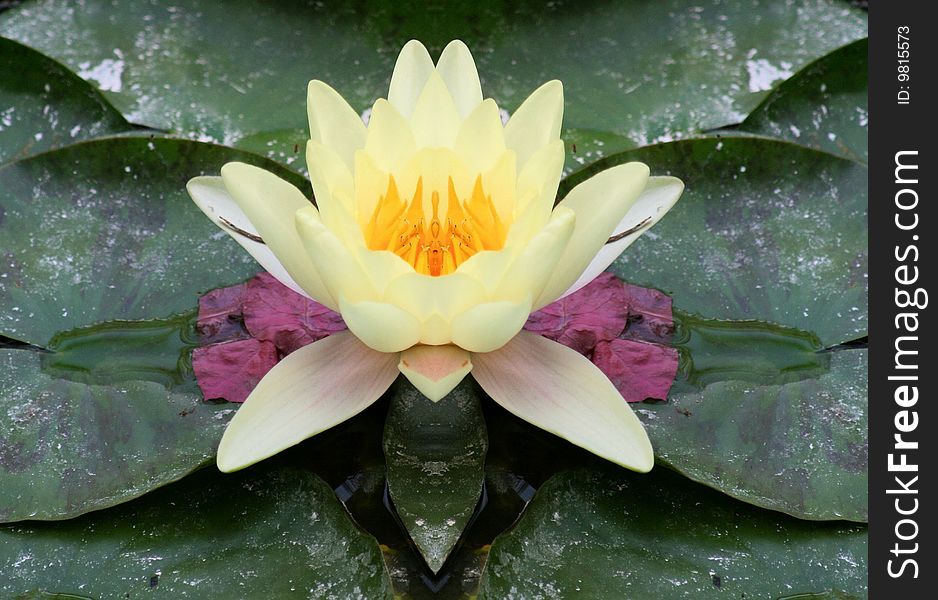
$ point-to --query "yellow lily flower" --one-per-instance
(435, 235)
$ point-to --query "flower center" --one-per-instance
(434, 245)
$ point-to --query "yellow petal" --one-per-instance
(270, 204)
(435, 301)
(481, 138)
(381, 326)
(309, 391)
(340, 271)
(370, 184)
(390, 142)
(540, 177)
(559, 390)
(411, 72)
(537, 121)
(600, 202)
(210, 195)
(656, 200)
(488, 326)
(435, 370)
(331, 178)
(435, 121)
(458, 70)
(530, 271)
(333, 122)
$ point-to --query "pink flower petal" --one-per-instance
(220, 315)
(639, 370)
(598, 311)
(275, 313)
(232, 369)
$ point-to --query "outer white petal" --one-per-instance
(270, 204)
(411, 72)
(536, 122)
(559, 390)
(600, 203)
(656, 200)
(435, 370)
(458, 70)
(334, 123)
(309, 391)
(210, 195)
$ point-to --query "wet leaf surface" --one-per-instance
(43, 105)
(99, 239)
(683, 66)
(823, 106)
(612, 534)
(270, 532)
(435, 453)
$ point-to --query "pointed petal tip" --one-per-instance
(435, 370)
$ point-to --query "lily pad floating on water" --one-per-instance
(99, 239)
(264, 533)
(604, 534)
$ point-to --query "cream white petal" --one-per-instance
(600, 203)
(540, 177)
(536, 122)
(435, 370)
(559, 390)
(435, 121)
(331, 178)
(656, 200)
(381, 326)
(270, 204)
(458, 70)
(481, 138)
(390, 142)
(445, 295)
(341, 273)
(210, 195)
(531, 270)
(411, 72)
(309, 391)
(333, 122)
(488, 326)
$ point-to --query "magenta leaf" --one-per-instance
(639, 370)
(220, 315)
(232, 369)
(598, 311)
(275, 313)
(650, 316)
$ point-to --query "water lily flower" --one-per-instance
(435, 234)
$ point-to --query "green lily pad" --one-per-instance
(823, 106)
(100, 238)
(262, 534)
(43, 105)
(773, 232)
(765, 230)
(796, 443)
(613, 534)
(640, 70)
(435, 453)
